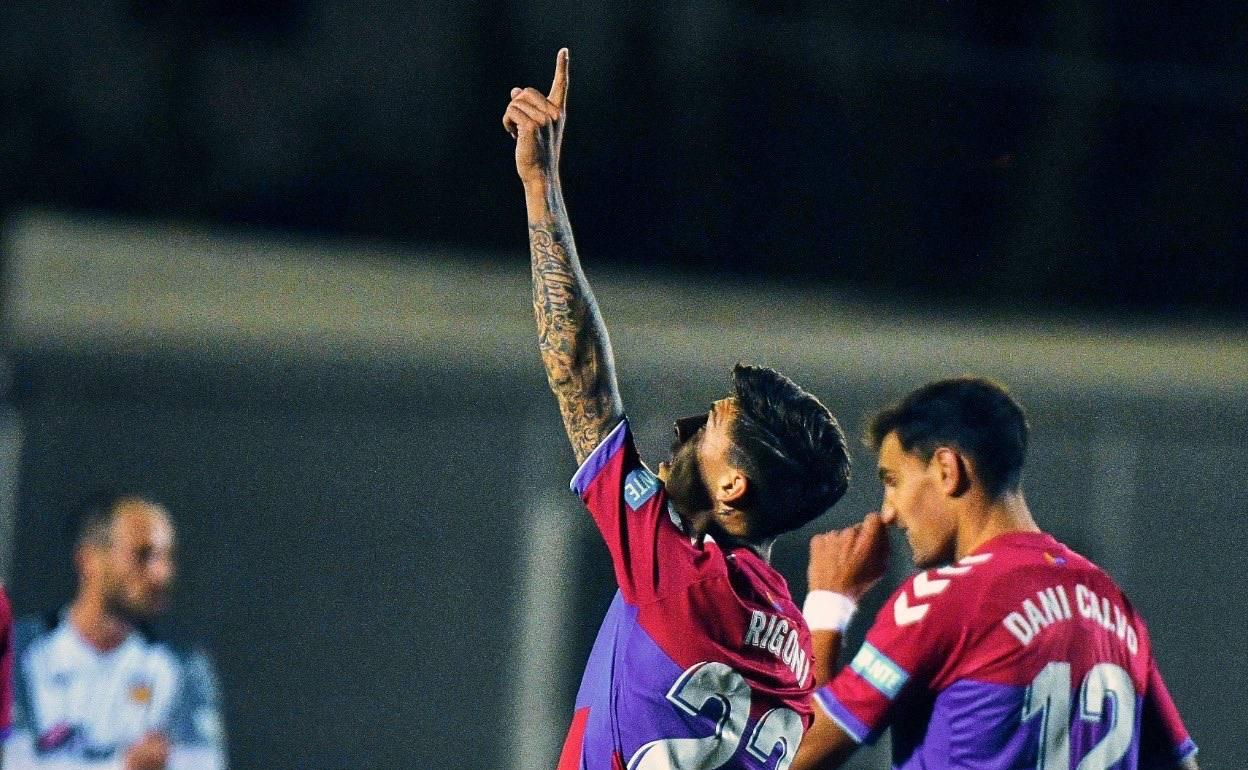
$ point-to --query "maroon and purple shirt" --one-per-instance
(1021, 655)
(703, 659)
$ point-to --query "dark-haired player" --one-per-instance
(703, 660)
(1007, 651)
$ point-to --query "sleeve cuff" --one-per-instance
(1185, 750)
(598, 458)
(853, 726)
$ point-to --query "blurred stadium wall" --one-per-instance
(369, 475)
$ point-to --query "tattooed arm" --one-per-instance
(570, 332)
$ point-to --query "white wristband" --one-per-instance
(828, 611)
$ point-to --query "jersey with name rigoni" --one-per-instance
(703, 659)
(1021, 655)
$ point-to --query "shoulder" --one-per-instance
(30, 630)
(180, 651)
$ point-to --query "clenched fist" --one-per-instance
(849, 561)
(536, 123)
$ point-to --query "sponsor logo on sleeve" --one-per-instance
(880, 672)
(640, 486)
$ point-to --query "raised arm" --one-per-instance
(570, 331)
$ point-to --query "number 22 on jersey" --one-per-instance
(697, 689)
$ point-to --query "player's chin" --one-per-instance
(923, 559)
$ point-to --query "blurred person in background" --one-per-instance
(1007, 650)
(95, 686)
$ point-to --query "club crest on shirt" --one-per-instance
(140, 692)
(640, 486)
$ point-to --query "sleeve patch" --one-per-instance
(878, 671)
(640, 486)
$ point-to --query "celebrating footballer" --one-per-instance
(703, 660)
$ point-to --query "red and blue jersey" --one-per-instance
(703, 659)
(1021, 655)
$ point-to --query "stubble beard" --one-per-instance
(134, 613)
(685, 488)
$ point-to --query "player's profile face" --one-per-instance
(701, 443)
(913, 502)
(140, 565)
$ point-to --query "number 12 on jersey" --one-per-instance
(1048, 698)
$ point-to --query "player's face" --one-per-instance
(137, 565)
(700, 450)
(914, 502)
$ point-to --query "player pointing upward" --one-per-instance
(703, 661)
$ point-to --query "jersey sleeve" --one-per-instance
(649, 551)
(195, 724)
(22, 735)
(1164, 741)
(908, 643)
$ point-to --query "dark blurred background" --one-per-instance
(1068, 153)
(264, 260)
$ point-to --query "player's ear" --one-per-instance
(955, 477)
(85, 558)
(731, 487)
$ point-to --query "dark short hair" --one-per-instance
(94, 522)
(791, 449)
(975, 416)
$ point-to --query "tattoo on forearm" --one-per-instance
(572, 339)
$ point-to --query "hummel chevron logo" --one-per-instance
(966, 563)
(978, 558)
(924, 587)
(904, 614)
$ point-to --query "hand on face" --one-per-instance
(849, 561)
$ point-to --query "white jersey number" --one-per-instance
(702, 685)
(1049, 697)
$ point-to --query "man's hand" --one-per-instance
(536, 123)
(849, 561)
(151, 753)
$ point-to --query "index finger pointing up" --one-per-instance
(559, 88)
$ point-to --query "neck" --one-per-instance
(763, 549)
(102, 629)
(992, 518)
(704, 523)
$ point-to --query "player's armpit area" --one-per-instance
(826, 745)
